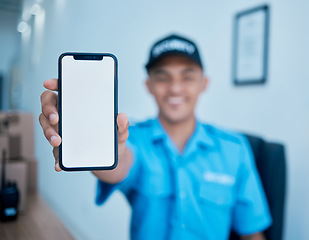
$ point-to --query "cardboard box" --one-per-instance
(32, 175)
(14, 147)
(23, 128)
(20, 134)
(4, 145)
(17, 171)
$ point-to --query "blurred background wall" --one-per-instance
(278, 110)
(9, 41)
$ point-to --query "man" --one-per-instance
(183, 179)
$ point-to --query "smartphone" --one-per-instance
(88, 108)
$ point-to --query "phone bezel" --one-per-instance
(79, 54)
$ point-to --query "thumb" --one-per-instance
(123, 125)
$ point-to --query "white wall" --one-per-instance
(278, 110)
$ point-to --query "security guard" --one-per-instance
(183, 179)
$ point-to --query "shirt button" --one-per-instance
(183, 195)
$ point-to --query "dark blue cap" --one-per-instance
(173, 44)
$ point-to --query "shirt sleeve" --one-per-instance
(251, 213)
(104, 190)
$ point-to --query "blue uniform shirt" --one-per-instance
(201, 193)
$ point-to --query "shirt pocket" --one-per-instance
(216, 194)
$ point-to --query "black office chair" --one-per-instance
(270, 162)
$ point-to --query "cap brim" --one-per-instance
(152, 63)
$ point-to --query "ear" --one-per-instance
(205, 81)
(148, 86)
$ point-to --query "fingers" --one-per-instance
(49, 117)
(57, 167)
(56, 156)
(50, 131)
(49, 101)
(123, 125)
(51, 84)
(52, 136)
(122, 121)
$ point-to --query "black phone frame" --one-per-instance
(88, 56)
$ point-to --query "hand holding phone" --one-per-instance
(49, 120)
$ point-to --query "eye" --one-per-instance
(188, 78)
(161, 79)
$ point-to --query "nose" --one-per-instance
(176, 87)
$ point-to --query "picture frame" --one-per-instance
(250, 46)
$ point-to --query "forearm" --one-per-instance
(255, 236)
(120, 172)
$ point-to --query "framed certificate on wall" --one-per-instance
(250, 46)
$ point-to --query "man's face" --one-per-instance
(176, 83)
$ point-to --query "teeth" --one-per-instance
(175, 100)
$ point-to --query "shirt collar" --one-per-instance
(158, 131)
(201, 135)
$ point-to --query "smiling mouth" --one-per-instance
(175, 100)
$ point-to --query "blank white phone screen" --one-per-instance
(88, 112)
